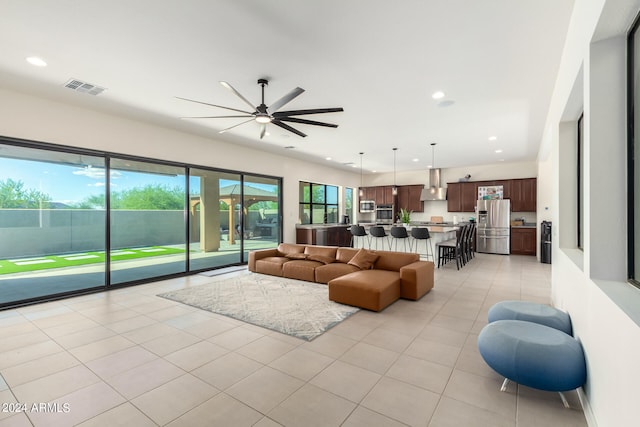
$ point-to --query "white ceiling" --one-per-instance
(496, 60)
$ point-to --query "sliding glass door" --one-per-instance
(73, 220)
(215, 220)
(262, 220)
(147, 220)
(52, 222)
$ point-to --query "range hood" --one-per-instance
(434, 191)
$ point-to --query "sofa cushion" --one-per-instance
(328, 251)
(321, 258)
(290, 248)
(296, 255)
(271, 265)
(364, 259)
(326, 273)
(300, 269)
(393, 261)
(345, 254)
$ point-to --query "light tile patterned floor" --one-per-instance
(127, 357)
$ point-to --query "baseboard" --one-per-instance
(586, 408)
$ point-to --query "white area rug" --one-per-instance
(293, 307)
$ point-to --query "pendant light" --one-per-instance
(394, 190)
(361, 191)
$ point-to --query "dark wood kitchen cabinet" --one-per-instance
(523, 241)
(409, 198)
(329, 235)
(462, 196)
(368, 193)
(523, 195)
(384, 195)
(454, 197)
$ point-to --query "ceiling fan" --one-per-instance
(264, 114)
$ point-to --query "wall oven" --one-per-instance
(367, 206)
(384, 214)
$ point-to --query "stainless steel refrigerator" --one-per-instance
(493, 234)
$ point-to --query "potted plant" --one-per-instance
(405, 216)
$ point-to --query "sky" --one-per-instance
(71, 184)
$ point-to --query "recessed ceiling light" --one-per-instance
(416, 160)
(327, 158)
(430, 166)
(493, 138)
(438, 95)
(499, 151)
(354, 165)
(38, 62)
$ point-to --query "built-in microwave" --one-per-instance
(367, 206)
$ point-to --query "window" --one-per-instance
(348, 203)
(73, 220)
(580, 195)
(633, 169)
(318, 203)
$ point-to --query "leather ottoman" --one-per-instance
(370, 289)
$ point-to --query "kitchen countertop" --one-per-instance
(308, 226)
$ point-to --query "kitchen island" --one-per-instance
(438, 232)
(323, 234)
(340, 235)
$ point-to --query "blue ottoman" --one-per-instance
(533, 355)
(531, 312)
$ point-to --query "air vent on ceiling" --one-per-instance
(80, 86)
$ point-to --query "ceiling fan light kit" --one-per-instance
(264, 114)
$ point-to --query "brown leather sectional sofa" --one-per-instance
(358, 277)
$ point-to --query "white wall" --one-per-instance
(28, 117)
(590, 284)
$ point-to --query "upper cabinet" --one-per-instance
(408, 196)
(523, 195)
(462, 196)
(384, 195)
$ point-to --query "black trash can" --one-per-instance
(545, 242)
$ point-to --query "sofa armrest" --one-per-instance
(416, 279)
(260, 254)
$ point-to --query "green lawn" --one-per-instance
(24, 265)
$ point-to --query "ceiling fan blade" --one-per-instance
(213, 105)
(232, 89)
(263, 130)
(235, 126)
(287, 127)
(303, 112)
(285, 99)
(215, 117)
(306, 122)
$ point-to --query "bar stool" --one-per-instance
(359, 231)
(452, 249)
(423, 234)
(377, 232)
(398, 233)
